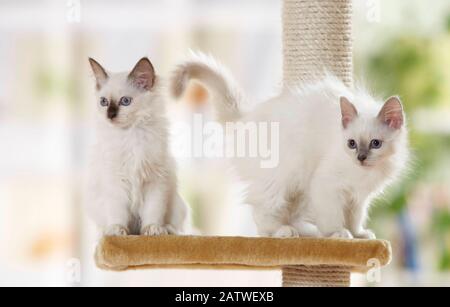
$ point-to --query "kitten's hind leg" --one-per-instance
(301, 217)
(179, 220)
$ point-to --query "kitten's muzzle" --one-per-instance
(362, 157)
(112, 112)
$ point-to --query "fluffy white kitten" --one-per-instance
(133, 185)
(338, 149)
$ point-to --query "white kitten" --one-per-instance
(338, 149)
(133, 185)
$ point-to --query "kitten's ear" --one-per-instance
(392, 113)
(143, 75)
(99, 72)
(349, 112)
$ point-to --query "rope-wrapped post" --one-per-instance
(317, 38)
(316, 276)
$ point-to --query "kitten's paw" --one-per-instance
(308, 230)
(343, 234)
(155, 231)
(287, 232)
(117, 231)
(172, 230)
(365, 234)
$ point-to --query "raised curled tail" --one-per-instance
(226, 97)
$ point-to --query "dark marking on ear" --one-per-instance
(100, 73)
(143, 75)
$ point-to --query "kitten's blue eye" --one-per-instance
(376, 144)
(104, 102)
(125, 101)
(352, 144)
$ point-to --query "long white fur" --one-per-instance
(230, 102)
(319, 188)
(133, 182)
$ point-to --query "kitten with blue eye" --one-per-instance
(133, 184)
(339, 148)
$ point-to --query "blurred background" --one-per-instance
(47, 99)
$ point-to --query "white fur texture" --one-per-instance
(230, 103)
(133, 183)
(320, 188)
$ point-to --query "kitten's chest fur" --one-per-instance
(135, 157)
(363, 182)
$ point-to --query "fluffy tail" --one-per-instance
(226, 97)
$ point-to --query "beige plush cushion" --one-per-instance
(121, 253)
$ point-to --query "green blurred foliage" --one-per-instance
(444, 264)
(408, 70)
(442, 221)
(410, 66)
(417, 69)
(53, 83)
(448, 23)
(441, 227)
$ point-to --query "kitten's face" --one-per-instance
(370, 140)
(121, 98)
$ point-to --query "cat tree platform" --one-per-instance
(304, 262)
(317, 38)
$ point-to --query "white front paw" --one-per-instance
(154, 231)
(117, 231)
(343, 234)
(365, 234)
(172, 230)
(287, 232)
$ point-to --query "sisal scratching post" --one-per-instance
(316, 276)
(317, 37)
